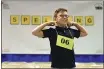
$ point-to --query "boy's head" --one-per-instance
(61, 16)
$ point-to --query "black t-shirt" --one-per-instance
(61, 57)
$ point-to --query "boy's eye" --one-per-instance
(64, 16)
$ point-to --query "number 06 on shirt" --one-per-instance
(65, 42)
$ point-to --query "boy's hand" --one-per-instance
(72, 24)
(51, 23)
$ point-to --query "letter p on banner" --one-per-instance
(25, 19)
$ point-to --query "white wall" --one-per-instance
(18, 38)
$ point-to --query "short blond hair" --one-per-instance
(59, 10)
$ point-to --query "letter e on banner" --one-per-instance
(36, 20)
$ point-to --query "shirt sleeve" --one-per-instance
(76, 33)
(47, 32)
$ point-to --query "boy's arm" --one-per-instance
(38, 30)
(82, 30)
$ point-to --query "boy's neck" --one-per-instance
(64, 26)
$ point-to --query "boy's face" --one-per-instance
(62, 18)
